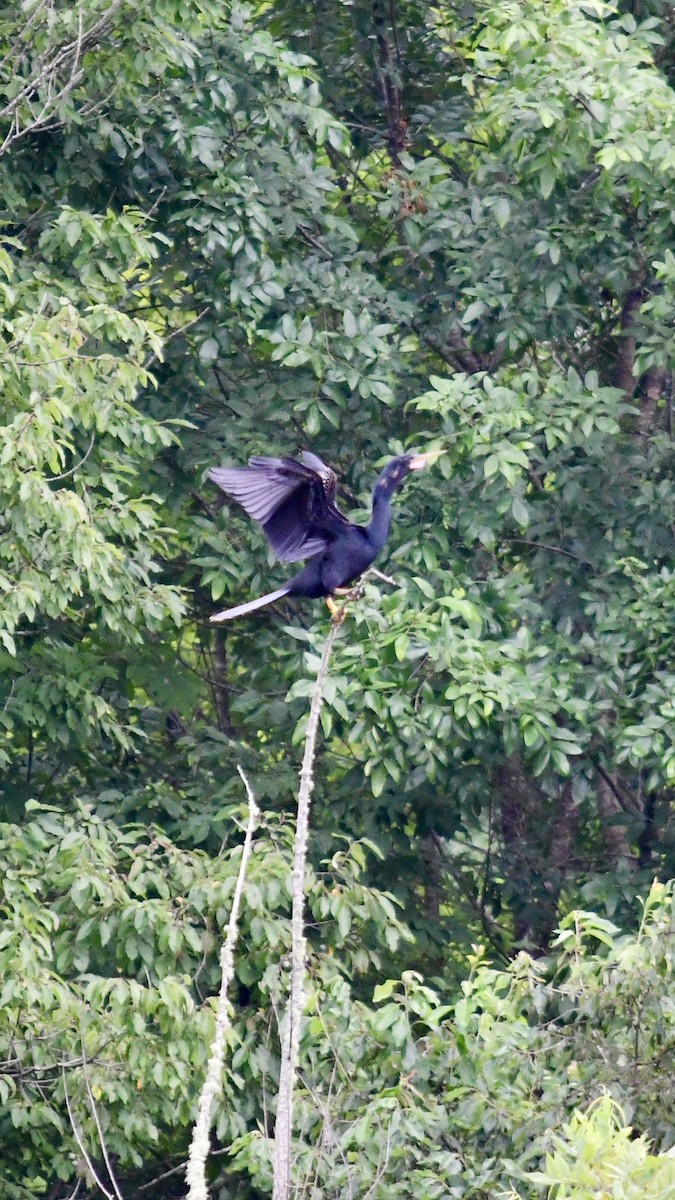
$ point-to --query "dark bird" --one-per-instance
(295, 504)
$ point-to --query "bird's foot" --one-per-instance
(339, 612)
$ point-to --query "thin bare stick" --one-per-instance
(48, 76)
(196, 1168)
(99, 1129)
(290, 1041)
(385, 578)
(83, 1149)
(90, 447)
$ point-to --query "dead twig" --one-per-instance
(81, 1146)
(99, 1129)
(196, 1168)
(290, 1041)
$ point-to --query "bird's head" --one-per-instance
(395, 471)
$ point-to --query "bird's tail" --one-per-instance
(229, 613)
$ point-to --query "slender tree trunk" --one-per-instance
(624, 370)
(538, 845)
(652, 389)
(199, 1149)
(290, 1041)
(221, 693)
(433, 888)
(617, 845)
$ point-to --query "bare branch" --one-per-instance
(379, 575)
(196, 1168)
(56, 63)
(99, 1129)
(83, 1149)
(454, 350)
(66, 474)
(290, 1041)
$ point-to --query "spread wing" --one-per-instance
(293, 501)
(326, 475)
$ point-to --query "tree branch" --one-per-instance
(99, 1128)
(610, 803)
(388, 78)
(454, 350)
(56, 62)
(80, 1142)
(652, 388)
(290, 1041)
(196, 1169)
(624, 376)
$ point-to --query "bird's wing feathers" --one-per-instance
(306, 549)
(293, 502)
(326, 475)
(289, 527)
(257, 492)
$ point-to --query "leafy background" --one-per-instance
(356, 227)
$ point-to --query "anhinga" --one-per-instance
(295, 504)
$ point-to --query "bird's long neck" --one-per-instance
(380, 521)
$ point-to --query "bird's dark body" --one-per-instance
(344, 560)
(295, 504)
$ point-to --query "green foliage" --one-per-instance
(597, 1157)
(418, 1096)
(109, 957)
(109, 951)
(229, 230)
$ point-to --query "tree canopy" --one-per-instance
(358, 228)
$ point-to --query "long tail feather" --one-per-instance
(229, 613)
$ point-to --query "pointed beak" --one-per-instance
(422, 460)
